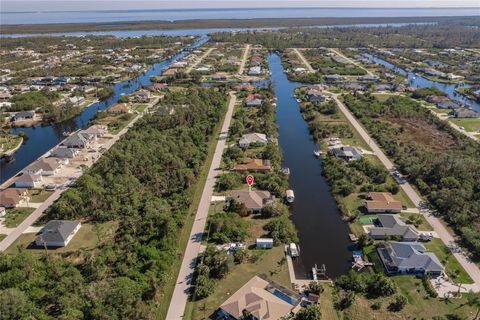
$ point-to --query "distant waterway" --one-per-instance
(55, 13)
(418, 81)
(323, 234)
(42, 138)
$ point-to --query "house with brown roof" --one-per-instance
(262, 299)
(29, 181)
(157, 87)
(119, 108)
(254, 200)
(253, 165)
(13, 197)
(383, 202)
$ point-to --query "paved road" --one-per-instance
(244, 59)
(22, 227)
(470, 267)
(181, 291)
(197, 62)
(305, 61)
(351, 61)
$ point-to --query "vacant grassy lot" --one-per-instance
(271, 263)
(471, 125)
(39, 195)
(423, 225)
(15, 216)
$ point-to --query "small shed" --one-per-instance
(264, 243)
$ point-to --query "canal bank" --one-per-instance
(322, 232)
(42, 138)
(418, 81)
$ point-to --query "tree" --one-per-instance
(274, 209)
(204, 286)
(379, 285)
(282, 230)
(311, 312)
(473, 300)
(398, 303)
(14, 304)
(314, 287)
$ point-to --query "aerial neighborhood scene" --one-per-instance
(263, 160)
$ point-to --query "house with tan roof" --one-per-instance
(253, 165)
(383, 202)
(44, 167)
(29, 181)
(254, 200)
(119, 108)
(262, 299)
(13, 197)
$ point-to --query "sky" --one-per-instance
(60, 5)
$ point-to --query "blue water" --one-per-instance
(43, 137)
(284, 297)
(421, 82)
(323, 235)
(47, 15)
(196, 32)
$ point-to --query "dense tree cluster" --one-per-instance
(445, 168)
(145, 183)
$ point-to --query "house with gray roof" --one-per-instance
(253, 200)
(465, 113)
(63, 152)
(251, 138)
(409, 258)
(76, 140)
(393, 225)
(347, 152)
(57, 233)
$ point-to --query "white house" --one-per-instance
(29, 181)
(250, 138)
(57, 233)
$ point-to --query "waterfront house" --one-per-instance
(24, 115)
(299, 70)
(264, 243)
(465, 113)
(77, 141)
(157, 87)
(255, 71)
(57, 233)
(447, 104)
(261, 299)
(94, 132)
(383, 202)
(253, 200)
(63, 152)
(369, 78)
(436, 99)
(13, 197)
(408, 258)
(119, 108)
(141, 95)
(253, 165)
(29, 181)
(44, 167)
(332, 77)
(253, 102)
(347, 153)
(252, 138)
(314, 95)
(393, 225)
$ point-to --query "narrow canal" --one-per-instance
(418, 81)
(44, 137)
(323, 234)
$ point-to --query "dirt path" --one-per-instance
(305, 61)
(244, 59)
(470, 267)
(181, 292)
(197, 62)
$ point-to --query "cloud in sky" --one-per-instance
(42, 5)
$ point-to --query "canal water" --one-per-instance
(323, 234)
(421, 82)
(43, 137)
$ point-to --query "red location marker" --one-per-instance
(250, 180)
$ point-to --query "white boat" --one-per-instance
(294, 253)
(317, 153)
(290, 196)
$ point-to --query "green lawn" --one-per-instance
(15, 216)
(86, 239)
(139, 107)
(452, 267)
(471, 125)
(367, 219)
(9, 141)
(423, 226)
(271, 263)
(39, 196)
(2, 236)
